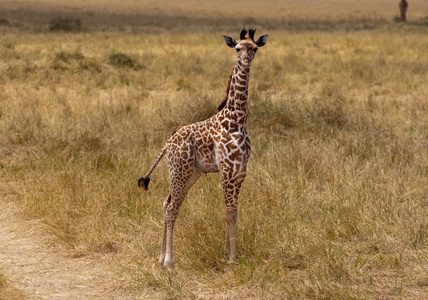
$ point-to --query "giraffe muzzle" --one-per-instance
(246, 60)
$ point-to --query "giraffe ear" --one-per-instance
(261, 40)
(230, 41)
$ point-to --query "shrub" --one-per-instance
(4, 22)
(122, 60)
(67, 56)
(65, 24)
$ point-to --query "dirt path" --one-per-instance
(41, 271)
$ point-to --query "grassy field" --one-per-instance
(335, 201)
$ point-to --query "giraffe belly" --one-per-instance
(206, 163)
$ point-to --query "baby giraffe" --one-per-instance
(219, 143)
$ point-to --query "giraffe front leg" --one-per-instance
(231, 218)
(227, 247)
(231, 186)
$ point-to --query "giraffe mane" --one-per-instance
(224, 101)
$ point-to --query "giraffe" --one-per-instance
(219, 143)
(403, 5)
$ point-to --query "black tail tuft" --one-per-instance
(144, 182)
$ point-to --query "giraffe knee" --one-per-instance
(231, 207)
(231, 216)
(166, 202)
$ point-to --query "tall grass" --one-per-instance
(335, 201)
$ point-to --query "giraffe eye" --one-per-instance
(255, 50)
(237, 49)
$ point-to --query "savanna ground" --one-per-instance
(335, 201)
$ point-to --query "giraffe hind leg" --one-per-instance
(180, 185)
(170, 216)
(163, 249)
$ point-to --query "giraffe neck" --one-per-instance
(238, 93)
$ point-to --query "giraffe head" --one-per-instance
(246, 46)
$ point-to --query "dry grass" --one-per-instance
(335, 201)
(7, 291)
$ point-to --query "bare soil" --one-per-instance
(35, 268)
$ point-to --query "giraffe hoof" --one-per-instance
(144, 182)
(230, 260)
(233, 262)
(169, 265)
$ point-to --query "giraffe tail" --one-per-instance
(144, 181)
